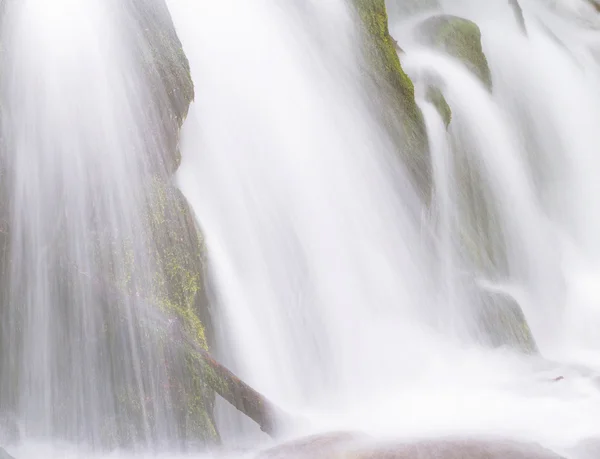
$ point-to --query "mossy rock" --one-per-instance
(503, 323)
(401, 115)
(459, 38)
(499, 318)
(157, 48)
(179, 284)
(435, 97)
(167, 287)
(179, 290)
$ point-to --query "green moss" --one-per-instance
(179, 283)
(176, 253)
(461, 39)
(167, 72)
(499, 318)
(435, 96)
(403, 119)
(504, 324)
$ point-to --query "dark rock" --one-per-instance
(518, 14)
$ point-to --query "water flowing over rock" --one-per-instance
(435, 96)
(397, 238)
(404, 8)
(516, 6)
(167, 70)
(459, 38)
(400, 112)
(107, 231)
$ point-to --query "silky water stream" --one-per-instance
(338, 289)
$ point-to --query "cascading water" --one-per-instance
(80, 361)
(304, 263)
(341, 291)
(328, 275)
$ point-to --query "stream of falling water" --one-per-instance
(339, 299)
(341, 293)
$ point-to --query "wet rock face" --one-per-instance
(160, 55)
(461, 39)
(503, 323)
(395, 90)
(518, 11)
(349, 445)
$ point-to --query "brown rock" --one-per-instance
(349, 445)
(452, 448)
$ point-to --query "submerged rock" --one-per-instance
(354, 446)
(399, 111)
(459, 38)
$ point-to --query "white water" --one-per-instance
(78, 143)
(340, 294)
(334, 301)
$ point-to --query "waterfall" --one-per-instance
(294, 243)
(342, 292)
(287, 225)
(82, 156)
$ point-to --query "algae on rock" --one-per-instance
(401, 115)
(460, 38)
(434, 96)
(503, 323)
(159, 52)
(499, 319)
(180, 251)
